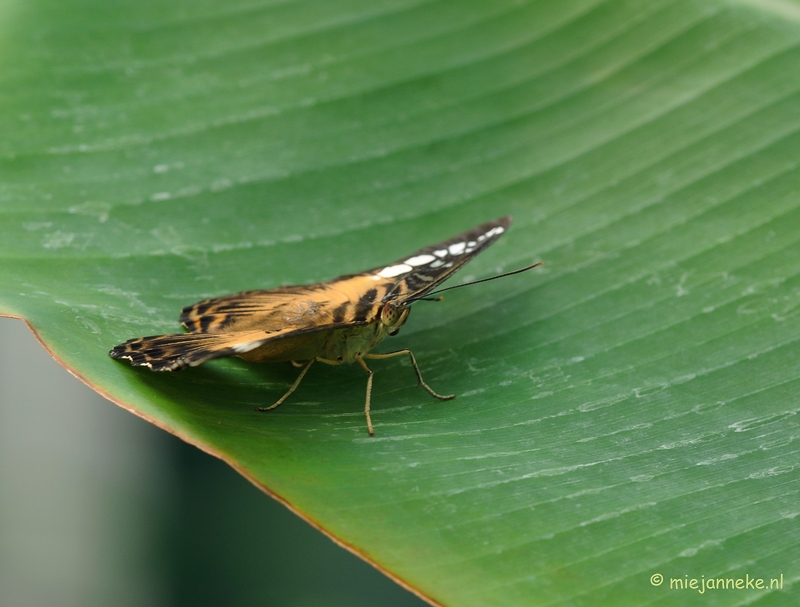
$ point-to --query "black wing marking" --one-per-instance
(422, 271)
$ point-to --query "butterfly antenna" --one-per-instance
(475, 282)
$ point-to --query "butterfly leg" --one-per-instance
(370, 373)
(416, 370)
(296, 383)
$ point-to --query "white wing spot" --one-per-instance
(440, 253)
(458, 248)
(246, 347)
(420, 260)
(392, 271)
(496, 231)
(437, 264)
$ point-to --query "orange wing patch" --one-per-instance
(267, 310)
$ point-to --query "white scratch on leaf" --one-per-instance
(689, 552)
(786, 10)
(776, 471)
(100, 210)
(716, 460)
(757, 422)
(58, 239)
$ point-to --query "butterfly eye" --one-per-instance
(393, 316)
(389, 314)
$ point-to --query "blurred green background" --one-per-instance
(100, 508)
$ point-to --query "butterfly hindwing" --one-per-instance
(174, 352)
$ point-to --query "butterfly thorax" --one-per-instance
(348, 344)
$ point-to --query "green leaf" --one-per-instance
(628, 411)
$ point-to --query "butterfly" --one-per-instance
(334, 322)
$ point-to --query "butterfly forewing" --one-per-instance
(354, 298)
(419, 273)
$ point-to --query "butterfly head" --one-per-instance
(393, 316)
